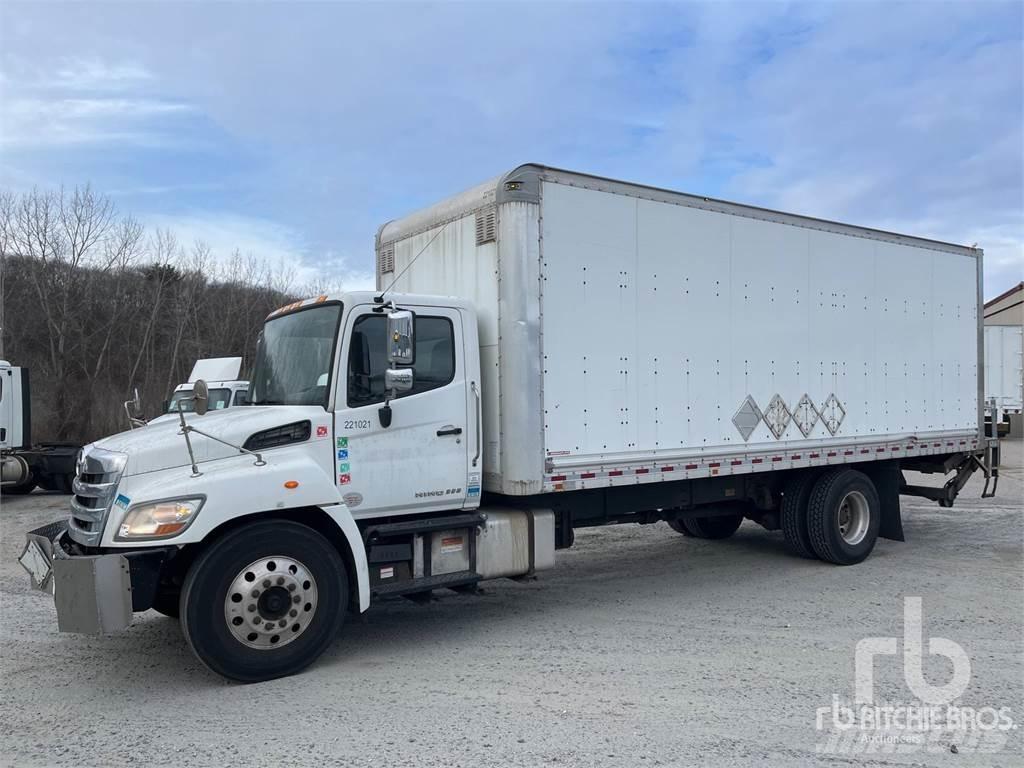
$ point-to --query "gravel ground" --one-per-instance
(641, 648)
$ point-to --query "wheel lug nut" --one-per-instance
(269, 625)
(252, 607)
(282, 623)
(293, 613)
(296, 599)
(291, 587)
(280, 580)
(266, 583)
(255, 593)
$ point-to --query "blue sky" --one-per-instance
(291, 131)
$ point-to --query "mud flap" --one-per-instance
(888, 479)
(93, 594)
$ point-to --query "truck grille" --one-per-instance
(96, 478)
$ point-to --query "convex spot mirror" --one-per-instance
(200, 396)
(398, 379)
(401, 337)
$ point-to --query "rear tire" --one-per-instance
(843, 516)
(18, 490)
(795, 497)
(264, 601)
(717, 527)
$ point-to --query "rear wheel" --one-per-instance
(265, 601)
(843, 516)
(795, 497)
(17, 490)
(717, 527)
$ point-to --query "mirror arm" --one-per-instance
(259, 457)
(133, 421)
(185, 429)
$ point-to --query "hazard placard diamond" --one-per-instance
(777, 416)
(805, 415)
(747, 417)
(832, 414)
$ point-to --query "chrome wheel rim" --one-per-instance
(270, 602)
(854, 517)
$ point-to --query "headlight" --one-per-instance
(159, 519)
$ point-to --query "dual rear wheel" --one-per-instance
(716, 527)
(833, 516)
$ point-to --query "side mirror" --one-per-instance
(398, 380)
(401, 337)
(200, 396)
(133, 409)
(136, 404)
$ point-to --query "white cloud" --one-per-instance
(340, 116)
(27, 122)
(97, 74)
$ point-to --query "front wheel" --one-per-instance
(265, 601)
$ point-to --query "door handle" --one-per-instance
(449, 431)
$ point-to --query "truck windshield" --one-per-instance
(219, 398)
(293, 359)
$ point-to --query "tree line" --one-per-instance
(97, 306)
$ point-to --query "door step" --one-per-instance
(427, 583)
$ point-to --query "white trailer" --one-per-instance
(546, 351)
(1004, 372)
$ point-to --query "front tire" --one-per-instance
(264, 601)
(843, 516)
(167, 603)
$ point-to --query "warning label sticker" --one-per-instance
(451, 544)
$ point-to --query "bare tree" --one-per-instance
(94, 307)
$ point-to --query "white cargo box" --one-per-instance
(1004, 381)
(631, 334)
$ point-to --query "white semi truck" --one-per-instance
(24, 464)
(224, 388)
(546, 351)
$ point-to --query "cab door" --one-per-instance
(419, 463)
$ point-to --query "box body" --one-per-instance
(631, 334)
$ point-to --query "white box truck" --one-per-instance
(546, 351)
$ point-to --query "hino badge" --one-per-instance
(565, 351)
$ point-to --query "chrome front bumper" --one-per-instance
(94, 593)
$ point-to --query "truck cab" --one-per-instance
(354, 470)
(226, 390)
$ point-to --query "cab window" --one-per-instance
(368, 359)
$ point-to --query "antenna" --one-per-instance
(380, 298)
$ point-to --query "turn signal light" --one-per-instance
(291, 484)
